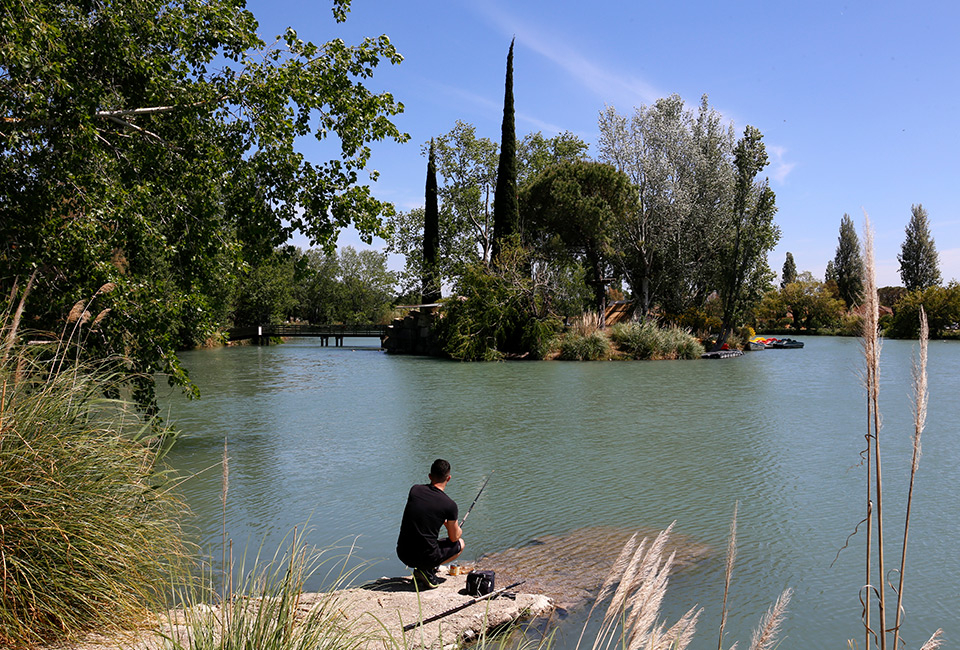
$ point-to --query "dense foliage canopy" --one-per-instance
(574, 210)
(467, 171)
(789, 272)
(152, 144)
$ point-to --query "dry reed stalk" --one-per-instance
(731, 559)
(227, 565)
(681, 634)
(76, 311)
(79, 315)
(644, 603)
(871, 346)
(586, 323)
(765, 636)
(644, 606)
(919, 420)
(635, 604)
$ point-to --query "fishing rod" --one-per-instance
(464, 520)
(472, 601)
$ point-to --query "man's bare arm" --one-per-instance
(453, 530)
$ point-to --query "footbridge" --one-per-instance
(326, 333)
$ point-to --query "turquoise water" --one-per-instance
(335, 437)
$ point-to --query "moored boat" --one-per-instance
(786, 344)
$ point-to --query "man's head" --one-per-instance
(439, 471)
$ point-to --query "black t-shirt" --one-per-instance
(427, 509)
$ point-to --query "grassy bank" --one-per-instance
(632, 340)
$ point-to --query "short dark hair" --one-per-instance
(440, 470)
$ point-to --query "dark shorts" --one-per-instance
(447, 550)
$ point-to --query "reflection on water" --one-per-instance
(335, 437)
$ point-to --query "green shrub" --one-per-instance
(496, 312)
(683, 344)
(941, 304)
(540, 337)
(592, 347)
(638, 340)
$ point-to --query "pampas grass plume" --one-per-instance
(765, 636)
(934, 641)
(100, 317)
(76, 312)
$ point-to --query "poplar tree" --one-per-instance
(745, 275)
(431, 233)
(506, 210)
(847, 263)
(919, 262)
(789, 273)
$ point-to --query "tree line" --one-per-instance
(804, 302)
(151, 147)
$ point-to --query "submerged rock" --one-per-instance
(570, 568)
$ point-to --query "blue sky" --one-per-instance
(858, 101)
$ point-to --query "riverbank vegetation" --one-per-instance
(90, 532)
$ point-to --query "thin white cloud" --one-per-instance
(780, 168)
(481, 102)
(603, 80)
(487, 105)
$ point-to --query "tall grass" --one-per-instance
(592, 347)
(634, 590)
(89, 529)
(270, 610)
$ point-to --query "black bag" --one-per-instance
(480, 583)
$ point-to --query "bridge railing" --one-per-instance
(332, 331)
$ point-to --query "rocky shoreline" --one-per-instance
(558, 572)
(377, 611)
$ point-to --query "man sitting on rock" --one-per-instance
(428, 508)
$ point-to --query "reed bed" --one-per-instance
(591, 347)
(633, 593)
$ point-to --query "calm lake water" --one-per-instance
(334, 437)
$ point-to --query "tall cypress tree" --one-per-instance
(919, 262)
(506, 209)
(789, 273)
(847, 263)
(430, 292)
